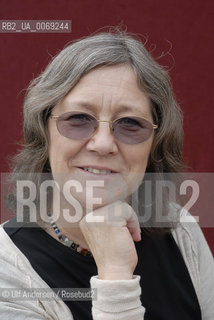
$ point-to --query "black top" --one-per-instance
(167, 289)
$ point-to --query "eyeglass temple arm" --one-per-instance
(54, 117)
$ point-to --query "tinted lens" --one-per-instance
(132, 130)
(76, 126)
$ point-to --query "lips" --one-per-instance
(92, 170)
(98, 169)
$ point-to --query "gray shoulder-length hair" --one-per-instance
(64, 72)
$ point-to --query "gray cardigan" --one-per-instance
(17, 272)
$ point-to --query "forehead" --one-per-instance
(118, 77)
(110, 88)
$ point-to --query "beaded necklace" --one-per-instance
(68, 242)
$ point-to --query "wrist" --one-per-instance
(115, 274)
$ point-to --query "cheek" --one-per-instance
(137, 158)
(61, 152)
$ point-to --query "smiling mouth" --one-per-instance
(98, 171)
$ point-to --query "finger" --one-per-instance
(127, 217)
(134, 226)
(118, 214)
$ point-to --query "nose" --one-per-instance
(103, 141)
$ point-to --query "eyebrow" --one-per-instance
(120, 109)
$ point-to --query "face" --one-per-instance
(107, 93)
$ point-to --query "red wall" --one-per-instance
(186, 25)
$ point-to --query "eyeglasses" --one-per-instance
(82, 126)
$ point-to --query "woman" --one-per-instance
(99, 117)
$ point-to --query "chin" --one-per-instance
(100, 198)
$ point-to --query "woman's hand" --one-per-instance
(111, 241)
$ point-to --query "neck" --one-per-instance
(70, 229)
(72, 233)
